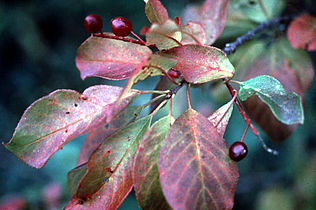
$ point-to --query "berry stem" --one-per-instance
(188, 96)
(162, 71)
(244, 134)
(249, 124)
(125, 39)
(137, 37)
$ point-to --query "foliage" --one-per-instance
(181, 164)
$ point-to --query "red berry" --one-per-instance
(238, 151)
(173, 74)
(93, 23)
(121, 26)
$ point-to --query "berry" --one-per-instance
(121, 26)
(93, 23)
(238, 151)
(173, 74)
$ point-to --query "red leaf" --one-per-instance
(221, 116)
(108, 179)
(110, 58)
(97, 136)
(212, 15)
(156, 12)
(13, 202)
(53, 120)
(194, 167)
(146, 178)
(200, 64)
(302, 32)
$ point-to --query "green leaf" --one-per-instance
(110, 58)
(200, 64)
(110, 166)
(52, 121)
(286, 107)
(74, 177)
(156, 12)
(99, 134)
(164, 36)
(260, 10)
(146, 177)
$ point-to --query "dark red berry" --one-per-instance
(173, 74)
(121, 26)
(93, 23)
(238, 151)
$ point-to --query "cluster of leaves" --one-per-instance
(182, 164)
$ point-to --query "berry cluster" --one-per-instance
(120, 26)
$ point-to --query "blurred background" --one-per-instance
(38, 43)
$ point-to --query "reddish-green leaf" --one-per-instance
(221, 116)
(302, 32)
(194, 167)
(193, 33)
(156, 12)
(212, 16)
(110, 58)
(74, 177)
(293, 68)
(108, 178)
(200, 64)
(164, 36)
(98, 135)
(156, 65)
(53, 120)
(146, 178)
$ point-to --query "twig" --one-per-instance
(231, 47)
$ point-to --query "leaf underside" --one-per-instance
(156, 12)
(286, 107)
(53, 120)
(194, 167)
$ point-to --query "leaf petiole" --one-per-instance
(158, 107)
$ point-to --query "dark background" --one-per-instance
(38, 43)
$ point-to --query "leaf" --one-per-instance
(221, 117)
(293, 68)
(302, 32)
(110, 58)
(286, 107)
(156, 12)
(194, 167)
(53, 120)
(156, 65)
(146, 178)
(200, 64)
(193, 33)
(164, 36)
(74, 177)
(237, 23)
(108, 178)
(212, 16)
(98, 135)
(261, 10)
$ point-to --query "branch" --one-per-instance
(231, 47)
